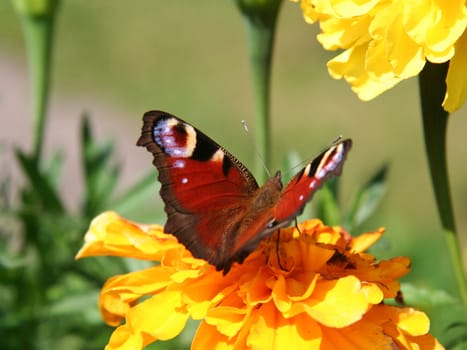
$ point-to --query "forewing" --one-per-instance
(205, 189)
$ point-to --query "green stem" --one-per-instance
(260, 20)
(435, 118)
(38, 32)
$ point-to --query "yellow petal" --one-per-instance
(291, 289)
(350, 65)
(339, 303)
(207, 337)
(280, 296)
(426, 341)
(271, 330)
(161, 316)
(404, 55)
(411, 321)
(352, 8)
(120, 292)
(361, 335)
(363, 241)
(110, 234)
(436, 25)
(456, 79)
(406, 326)
(227, 320)
(124, 339)
(343, 33)
(256, 288)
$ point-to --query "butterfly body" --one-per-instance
(214, 205)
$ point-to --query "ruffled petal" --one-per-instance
(365, 240)
(120, 292)
(358, 336)
(338, 303)
(272, 331)
(456, 79)
(110, 234)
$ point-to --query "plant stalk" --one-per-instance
(435, 119)
(38, 32)
(260, 20)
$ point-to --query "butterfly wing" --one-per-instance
(302, 187)
(205, 189)
(277, 208)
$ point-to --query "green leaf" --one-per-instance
(328, 207)
(367, 199)
(54, 167)
(133, 196)
(82, 304)
(40, 184)
(100, 177)
(457, 333)
(424, 297)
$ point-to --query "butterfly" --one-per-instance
(214, 205)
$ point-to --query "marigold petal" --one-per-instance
(199, 295)
(171, 316)
(271, 330)
(338, 303)
(350, 65)
(405, 57)
(435, 24)
(207, 337)
(377, 65)
(456, 79)
(301, 285)
(361, 335)
(124, 339)
(110, 234)
(384, 274)
(289, 290)
(311, 256)
(255, 289)
(280, 296)
(426, 341)
(343, 33)
(409, 320)
(365, 240)
(227, 320)
(352, 8)
(120, 292)
(406, 326)
(143, 326)
(113, 309)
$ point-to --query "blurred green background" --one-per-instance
(116, 60)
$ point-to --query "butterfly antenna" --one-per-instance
(255, 147)
(336, 140)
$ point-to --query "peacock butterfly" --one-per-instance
(214, 205)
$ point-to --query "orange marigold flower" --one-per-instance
(386, 41)
(313, 287)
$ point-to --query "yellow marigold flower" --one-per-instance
(386, 41)
(315, 288)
